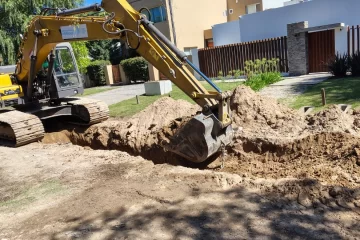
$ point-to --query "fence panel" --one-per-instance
(233, 57)
(116, 73)
(353, 39)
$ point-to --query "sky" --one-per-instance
(88, 2)
(267, 3)
(272, 3)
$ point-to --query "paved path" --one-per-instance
(293, 86)
(119, 94)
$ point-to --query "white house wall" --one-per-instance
(273, 23)
(226, 33)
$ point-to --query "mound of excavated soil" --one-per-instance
(332, 158)
(138, 135)
(264, 117)
(332, 119)
(278, 142)
(275, 141)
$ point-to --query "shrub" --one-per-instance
(136, 68)
(258, 81)
(355, 64)
(96, 72)
(261, 73)
(238, 73)
(339, 65)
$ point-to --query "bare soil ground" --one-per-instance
(286, 176)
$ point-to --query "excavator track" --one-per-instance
(89, 110)
(18, 129)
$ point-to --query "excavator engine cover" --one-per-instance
(200, 138)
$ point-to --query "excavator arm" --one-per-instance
(123, 22)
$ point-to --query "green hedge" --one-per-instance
(96, 72)
(136, 68)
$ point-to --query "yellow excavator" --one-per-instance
(46, 78)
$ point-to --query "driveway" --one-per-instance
(119, 94)
(293, 86)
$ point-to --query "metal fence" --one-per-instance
(353, 39)
(233, 57)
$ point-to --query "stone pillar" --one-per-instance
(298, 48)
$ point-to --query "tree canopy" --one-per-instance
(14, 18)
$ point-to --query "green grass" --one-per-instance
(343, 90)
(129, 107)
(94, 90)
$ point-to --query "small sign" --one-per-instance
(74, 31)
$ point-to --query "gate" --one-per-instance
(321, 50)
(116, 73)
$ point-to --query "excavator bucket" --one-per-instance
(200, 138)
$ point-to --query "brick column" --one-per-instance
(298, 49)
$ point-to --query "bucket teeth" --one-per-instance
(200, 138)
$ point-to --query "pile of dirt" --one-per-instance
(332, 119)
(278, 142)
(275, 141)
(332, 158)
(138, 135)
(264, 117)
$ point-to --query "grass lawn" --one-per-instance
(343, 90)
(129, 107)
(94, 90)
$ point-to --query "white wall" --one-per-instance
(273, 23)
(341, 40)
(226, 33)
(267, 4)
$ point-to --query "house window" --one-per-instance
(158, 14)
(231, 11)
(251, 8)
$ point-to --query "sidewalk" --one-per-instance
(293, 86)
(119, 94)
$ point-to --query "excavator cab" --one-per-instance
(66, 80)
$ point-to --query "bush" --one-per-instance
(258, 81)
(261, 73)
(96, 72)
(136, 68)
(339, 65)
(355, 64)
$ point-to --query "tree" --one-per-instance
(15, 17)
(99, 49)
(81, 54)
